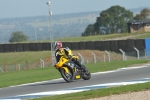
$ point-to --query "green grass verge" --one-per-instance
(99, 92)
(28, 76)
(101, 37)
(106, 91)
(21, 57)
(42, 74)
(143, 36)
(103, 66)
(104, 37)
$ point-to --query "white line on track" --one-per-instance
(80, 89)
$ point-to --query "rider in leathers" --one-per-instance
(66, 52)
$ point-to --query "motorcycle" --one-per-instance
(71, 71)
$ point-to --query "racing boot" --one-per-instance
(81, 66)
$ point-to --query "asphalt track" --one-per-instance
(133, 75)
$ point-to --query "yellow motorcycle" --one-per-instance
(71, 71)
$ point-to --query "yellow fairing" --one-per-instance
(78, 76)
(61, 62)
(66, 69)
(75, 57)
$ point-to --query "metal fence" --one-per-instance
(89, 56)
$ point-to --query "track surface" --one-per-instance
(115, 76)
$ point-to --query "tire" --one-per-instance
(86, 75)
(67, 77)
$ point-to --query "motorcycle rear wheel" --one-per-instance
(86, 75)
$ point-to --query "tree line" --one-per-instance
(111, 20)
(114, 20)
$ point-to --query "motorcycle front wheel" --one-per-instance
(67, 76)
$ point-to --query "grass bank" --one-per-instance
(43, 74)
(21, 57)
(99, 92)
(105, 37)
(106, 91)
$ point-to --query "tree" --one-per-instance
(144, 14)
(89, 30)
(113, 20)
(18, 37)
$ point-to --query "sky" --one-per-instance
(28, 8)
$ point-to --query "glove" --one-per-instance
(75, 58)
(54, 65)
(69, 57)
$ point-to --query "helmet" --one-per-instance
(58, 45)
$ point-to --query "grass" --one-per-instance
(99, 92)
(21, 57)
(104, 37)
(113, 65)
(143, 36)
(27, 76)
(35, 75)
(106, 91)
(92, 38)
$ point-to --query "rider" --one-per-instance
(66, 52)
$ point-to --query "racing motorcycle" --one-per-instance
(71, 71)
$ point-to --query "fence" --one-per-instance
(88, 56)
(112, 45)
(110, 50)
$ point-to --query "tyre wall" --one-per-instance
(112, 45)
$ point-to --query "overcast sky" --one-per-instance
(26, 8)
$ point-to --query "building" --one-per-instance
(139, 26)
